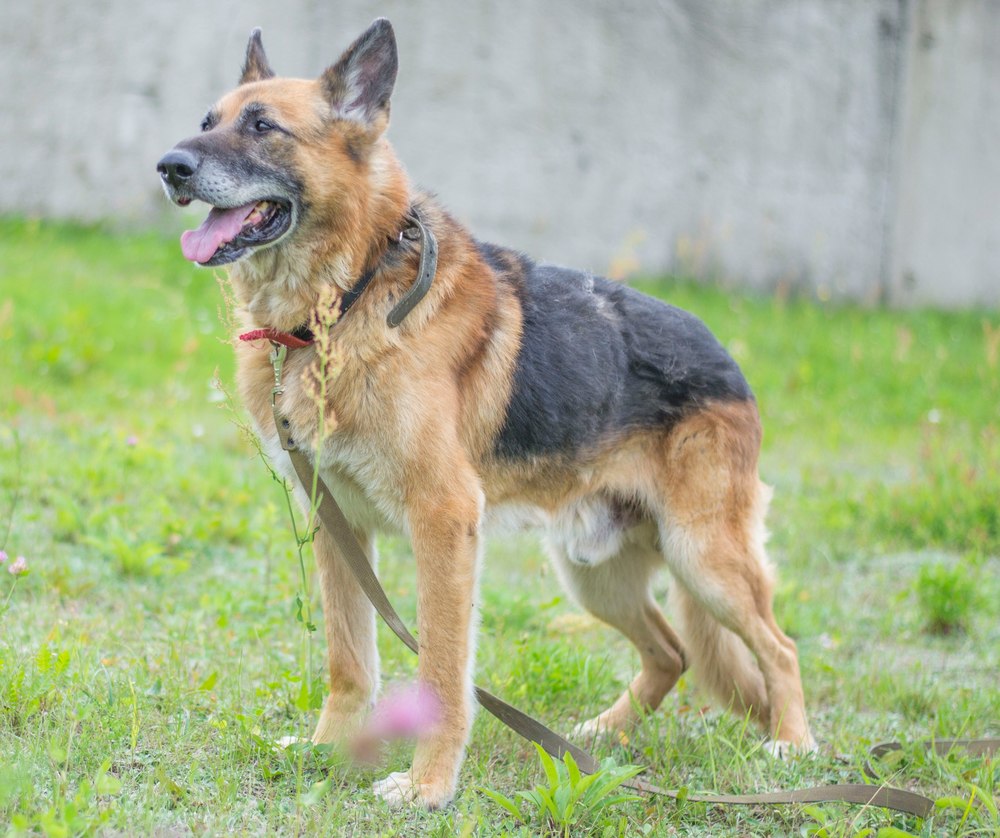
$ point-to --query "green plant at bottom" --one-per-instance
(570, 798)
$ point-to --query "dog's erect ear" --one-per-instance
(255, 66)
(359, 85)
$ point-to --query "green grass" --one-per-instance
(152, 653)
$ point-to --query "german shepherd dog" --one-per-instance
(513, 388)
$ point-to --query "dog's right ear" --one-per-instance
(255, 66)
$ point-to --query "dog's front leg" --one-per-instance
(444, 524)
(352, 654)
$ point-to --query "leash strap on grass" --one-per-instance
(332, 518)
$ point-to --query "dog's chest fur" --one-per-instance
(356, 458)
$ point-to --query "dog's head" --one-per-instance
(275, 154)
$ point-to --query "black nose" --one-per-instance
(177, 166)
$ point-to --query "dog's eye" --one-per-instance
(262, 126)
(206, 124)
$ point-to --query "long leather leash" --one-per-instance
(333, 520)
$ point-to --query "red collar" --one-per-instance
(284, 338)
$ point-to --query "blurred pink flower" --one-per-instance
(132, 440)
(408, 712)
(405, 713)
(3, 557)
(18, 567)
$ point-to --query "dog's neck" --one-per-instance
(278, 287)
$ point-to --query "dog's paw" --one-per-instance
(785, 751)
(287, 741)
(591, 729)
(603, 726)
(398, 790)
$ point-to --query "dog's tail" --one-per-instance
(720, 661)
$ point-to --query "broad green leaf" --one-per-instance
(621, 798)
(563, 799)
(550, 767)
(504, 802)
(572, 769)
(534, 798)
(586, 782)
(550, 804)
(609, 784)
(817, 813)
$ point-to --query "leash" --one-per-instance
(332, 518)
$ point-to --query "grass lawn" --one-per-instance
(152, 656)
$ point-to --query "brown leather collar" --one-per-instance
(415, 229)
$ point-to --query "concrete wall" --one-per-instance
(946, 237)
(845, 145)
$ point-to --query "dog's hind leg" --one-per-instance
(352, 654)
(712, 533)
(616, 591)
(725, 610)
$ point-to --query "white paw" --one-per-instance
(601, 727)
(399, 790)
(783, 750)
(287, 741)
(396, 790)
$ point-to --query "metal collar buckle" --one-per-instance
(277, 358)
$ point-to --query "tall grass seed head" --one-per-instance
(327, 361)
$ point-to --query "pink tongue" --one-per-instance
(220, 227)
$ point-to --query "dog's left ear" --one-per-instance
(255, 66)
(359, 85)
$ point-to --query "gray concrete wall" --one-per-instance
(843, 145)
(946, 237)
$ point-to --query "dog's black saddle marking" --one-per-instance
(598, 358)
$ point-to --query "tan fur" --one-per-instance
(417, 410)
(713, 538)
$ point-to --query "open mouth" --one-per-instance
(227, 234)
